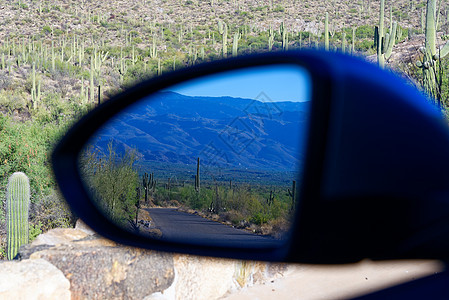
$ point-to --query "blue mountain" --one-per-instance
(222, 131)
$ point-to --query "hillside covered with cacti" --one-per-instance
(60, 58)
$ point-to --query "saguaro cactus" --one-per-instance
(197, 177)
(149, 184)
(223, 30)
(430, 63)
(284, 33)
(271, 35)
(17, 207)
(385, 42)
(292, 194)
(235, 44)
(326, 32)
(35, 90)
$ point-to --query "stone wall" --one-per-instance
(78, 264)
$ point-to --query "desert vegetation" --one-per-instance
(263, 206)
(58, 59)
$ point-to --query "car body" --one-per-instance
(375, 181)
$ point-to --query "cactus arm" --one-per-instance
(430, 28)
(444, 50)
(390, 39)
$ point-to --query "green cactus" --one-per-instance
(223, 30)
(235, 44)
(197, 177)
(271, 35)
(52, 57)
(430, 63)
(159, 67)
(146, 187)
(353, 41)
(292, 194)
(82, 94)
(153, 49)
(423, 20)
(383, 42)
(17, 207)
(91, 81)
(35, 89)
(284, 33)
(380, 34)
(270, 199)
(149, 184)
(326, 32)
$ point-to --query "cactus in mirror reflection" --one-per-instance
(270, 199)
(149, 184)
(292, 194)
(197, 177)
(145, 183)
(17, 207)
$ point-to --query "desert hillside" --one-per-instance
(59, 59)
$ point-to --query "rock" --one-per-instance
(32, 279)
(80, 225)
(99, 269)
(59, 236)
(26, 250)
(203, 277)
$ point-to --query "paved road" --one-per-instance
(180, 225)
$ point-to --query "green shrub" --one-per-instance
(25, 147)
(113, 181)
(46, 29)
(35, 230)
(50, 212)
(365, 31)
(13, 101)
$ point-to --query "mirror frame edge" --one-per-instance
(65, 154)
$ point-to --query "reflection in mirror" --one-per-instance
(213, 160)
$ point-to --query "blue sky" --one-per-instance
(277, 83)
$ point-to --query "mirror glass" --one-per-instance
(216, 159)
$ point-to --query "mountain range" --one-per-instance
(223, 131)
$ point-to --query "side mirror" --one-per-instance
(307, 156)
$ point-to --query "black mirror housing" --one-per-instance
(375, 172)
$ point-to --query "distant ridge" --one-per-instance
(223, 131)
